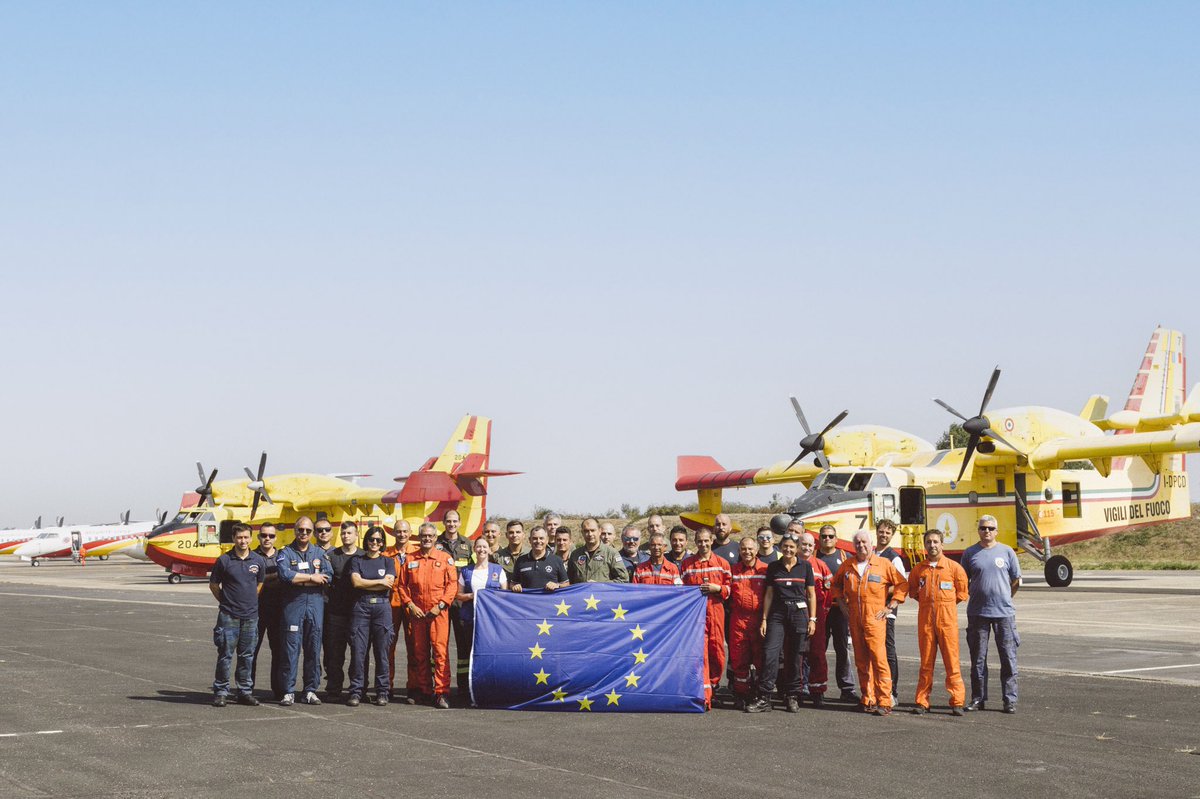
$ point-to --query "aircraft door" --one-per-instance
(883, 504)
(76, 544)
(1018, 501)
(912, 506)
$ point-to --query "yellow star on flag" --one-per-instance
(585, 704)
(631, 680)
(592, 602)
(542, 677)
(638, 633)
(613, 698)
(619, 613)
(544, 627)
(639, 656)
(559, 695)
(536, 651)
(562, 608)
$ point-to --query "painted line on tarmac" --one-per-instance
(37, 732)
(102, 599)
(1151, 668)
(1136, 625)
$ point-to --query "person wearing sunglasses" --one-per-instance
(837, 628)
(993, 576)
(270, 611)
(630, 551)
(304, 573)
(372, 577)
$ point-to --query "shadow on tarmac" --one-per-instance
(177, 697)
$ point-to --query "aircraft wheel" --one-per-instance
(35, 562)
(102, 557)
(174, 579)
(1059, 572)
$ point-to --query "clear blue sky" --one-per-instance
(626, 231)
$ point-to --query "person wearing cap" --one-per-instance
(427, 586)
(372, 577)
(885, 531)
(304, 573)
(630, 554)
(993, 576)
(837, 628)
(711, 573)
(481, 575)
(270, 612)
(789, 619)
(767, 552)
(868, 587)
(748, 584)
(339, 605)
(656, 569)
(939, 584)
(235, 580)
(817, 673)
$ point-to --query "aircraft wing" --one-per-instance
(698, 472)
(1101, 449)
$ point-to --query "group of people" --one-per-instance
(772, 608)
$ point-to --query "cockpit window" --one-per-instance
(859, 481)
(878, 480)
(833, 481)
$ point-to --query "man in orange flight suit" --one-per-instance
(860, 588)
(749, 577)
(939, 584)
(711, 572)
(818, 667)
(427, 585)
(656, 569)
(400, 553)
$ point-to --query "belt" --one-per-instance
(374, 600)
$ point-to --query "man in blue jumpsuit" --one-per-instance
(304, 571)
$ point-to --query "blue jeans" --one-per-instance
(979, 631)
(235, 637)
(303, 619)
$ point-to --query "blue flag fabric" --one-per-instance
(592, 647)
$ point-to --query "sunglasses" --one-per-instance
(823, 535)
(988, 529)
(374, 540)
(324, 529)
(266, 535)
(305, 530)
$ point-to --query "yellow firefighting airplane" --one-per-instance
(1048, 476)
(456, 479)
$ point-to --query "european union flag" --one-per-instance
(592, 647)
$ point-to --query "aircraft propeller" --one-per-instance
(205, 489)
(811, 443)
(37, 524)
(125, 517)
(257, 486)
(978, 426)
(61, 519)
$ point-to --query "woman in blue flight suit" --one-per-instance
(480, 574)
(372, 577)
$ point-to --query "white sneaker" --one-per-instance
(311, 698)
(287, 699)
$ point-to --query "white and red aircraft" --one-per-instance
(80, 542)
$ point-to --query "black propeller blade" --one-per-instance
(257, 486)
(814, 443)
(978, 426)
(205, 489)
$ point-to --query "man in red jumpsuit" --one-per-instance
(818, 667)
(427, 585)
(745, 619)
(657, 570)
(711, 572)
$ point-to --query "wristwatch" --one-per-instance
(441, 606)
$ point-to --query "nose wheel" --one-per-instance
(174, 579)
(1059, 572)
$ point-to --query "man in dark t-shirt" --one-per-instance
(235, 581)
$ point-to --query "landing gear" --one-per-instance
(174, 579)
(102, 557)
(1059, 572)
(34, 562)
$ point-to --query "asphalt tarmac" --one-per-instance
(107, 672)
